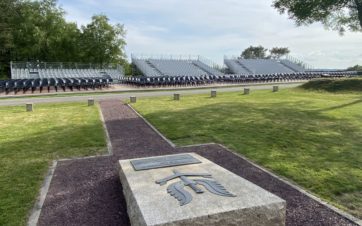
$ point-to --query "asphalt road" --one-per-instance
(126, 95)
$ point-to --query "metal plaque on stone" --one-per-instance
(163, 161)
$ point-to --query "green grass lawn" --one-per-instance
(335, 85)
(29, 141)
(312, 138)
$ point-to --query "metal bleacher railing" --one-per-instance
(174, 65)
(33, 70)
(286, 64)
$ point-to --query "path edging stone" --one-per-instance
(152, 127)
(36, 210)
(104, 125)
(298, 188)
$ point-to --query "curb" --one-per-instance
(104, 125)
(152, 127)
(89, 93)
(35, 212)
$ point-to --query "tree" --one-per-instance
(8, 10)
(103, 43)
(36, 30)
(340, 15)
(278, 52)
(355, 68)
(254, 52)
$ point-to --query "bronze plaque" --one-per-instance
(163, 161)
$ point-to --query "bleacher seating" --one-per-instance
(158, 73)
(20, 73)
(173, 67)
(16, 85)
(67, 76)
(165, 81)
(146, 68)
(293, 66)
(21, 70)
(236, 67)
(262, 66)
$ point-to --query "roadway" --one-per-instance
(139, 94)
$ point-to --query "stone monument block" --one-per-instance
(187, 189)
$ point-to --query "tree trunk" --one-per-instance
(359, 11)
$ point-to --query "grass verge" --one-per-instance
(29, 141)
(312, 138)
(335, 85)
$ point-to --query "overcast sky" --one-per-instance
(214, 28)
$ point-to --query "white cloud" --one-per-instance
(213, 28)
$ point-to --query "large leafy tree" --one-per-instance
(37, 30)
(338, 15)
(102, 42)
(8, 10)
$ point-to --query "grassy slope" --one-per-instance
(335, 85)
(28, 143)
(312, 138)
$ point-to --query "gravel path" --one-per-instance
(89, 192)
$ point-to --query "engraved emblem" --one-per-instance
(184, 197)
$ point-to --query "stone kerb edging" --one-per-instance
(36, 210)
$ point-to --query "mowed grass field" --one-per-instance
(29, 141)
(311, 138)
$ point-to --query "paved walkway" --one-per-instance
(126, 95)
(88, 191)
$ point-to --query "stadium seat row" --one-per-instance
(208, 79)
(24, 85)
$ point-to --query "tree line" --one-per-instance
(259, 52)
(37, 31)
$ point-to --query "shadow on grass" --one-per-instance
(317, 151)
(342, 105)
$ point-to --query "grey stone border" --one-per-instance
(35, 212)
(285, 180)
(108, 140)
(152, 127)
(297, 187)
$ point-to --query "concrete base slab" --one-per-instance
(149, 203)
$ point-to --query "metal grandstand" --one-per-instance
(34, 70)
(158, 71)
(174, 65)
(263, 66)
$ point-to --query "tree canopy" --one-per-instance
(259, 52)
(338, 15)
(254, 52)
(278, 52)
(37, 31)
(355, 68)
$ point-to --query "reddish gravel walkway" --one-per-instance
(88, 191)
